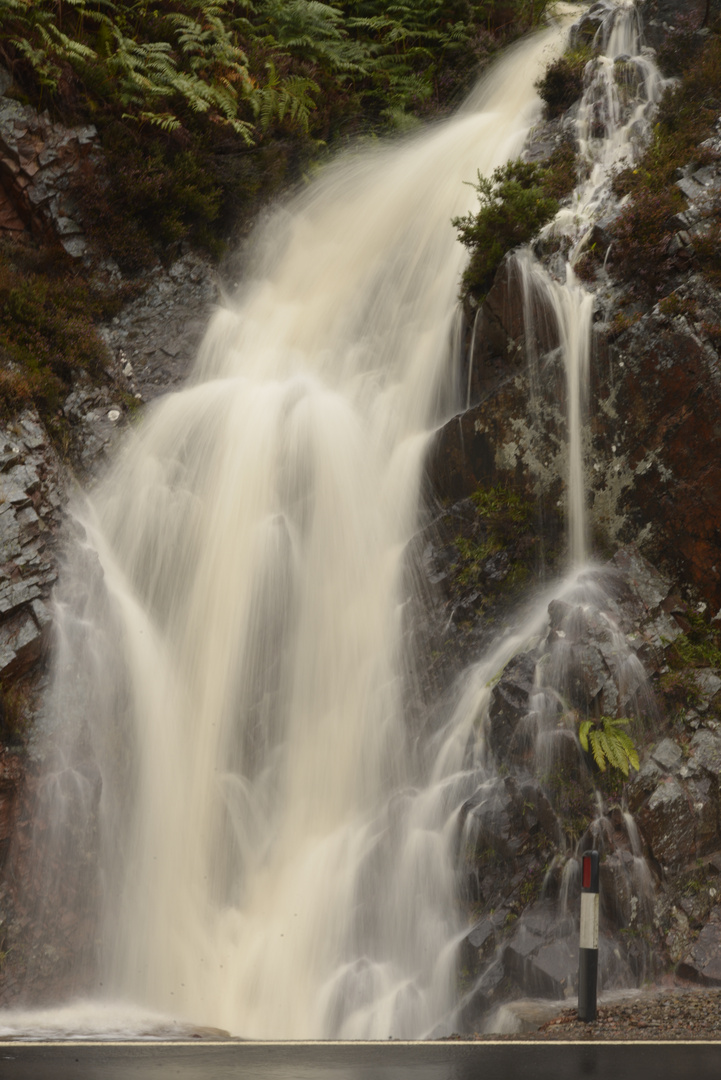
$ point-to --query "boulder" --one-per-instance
(510, 705)
(705, 752)
(585, 30)
(667, 755)
(489, 819)
(642, 784)
(543, 963)
(702, 962)
(668, 823)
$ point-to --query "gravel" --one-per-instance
(672, 1014)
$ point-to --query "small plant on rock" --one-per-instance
(562, 83)
(514, 207)
(608, 743)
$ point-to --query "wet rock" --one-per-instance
(705, 751)
(586, 29)
(668, 824)
(667, 755)
(21, 642)
(648, 583)
(541, 965)
(618, 887)
(555, 966)
(672, 826)
(702, 962)
(481, 999)
(155, 338)
(703, 796)
(483, 934)
(538, 811)
(509, 706)
(587, 675)
(489, 819)
(38, 162)
(707, 684)
(495, 441)
(31, 494)
(11, 779)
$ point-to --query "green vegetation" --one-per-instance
(562, 82)
(14, 707)
(206, 107)
(503, 526)
(686, 117)
(698, 647)
(47, 330)
(673, 306)
(515, 205)
(505, 512)
(608, 743)
(688, 650)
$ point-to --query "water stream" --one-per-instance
(277, 850)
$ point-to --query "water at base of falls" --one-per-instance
(277, 848)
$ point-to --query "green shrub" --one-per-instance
(699, 646)
(47, 329)
(562, 82)
(150, 196)
(560, 171)
(514, 207)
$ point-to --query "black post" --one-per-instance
(588, 938)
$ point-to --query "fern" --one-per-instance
(285, 98)
(609, 744)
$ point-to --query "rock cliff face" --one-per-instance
(38, 162)
(651, 460)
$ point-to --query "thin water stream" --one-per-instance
(277, 853)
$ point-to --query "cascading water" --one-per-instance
(273, 854)
(277, 850)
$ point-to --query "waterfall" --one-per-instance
(231, 657)
(277, 844)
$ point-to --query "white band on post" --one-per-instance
(588, 935)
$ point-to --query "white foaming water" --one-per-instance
(275, 847)
(92, 1020)
(622, 86)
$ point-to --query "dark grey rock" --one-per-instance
(668, 823)
(541, 965)
(702, 963)
(668, 755)
(705, 748)
(692, 190)
(510, 703)
(702, 794)
(708, 685)
(650, 585)
(20, 644)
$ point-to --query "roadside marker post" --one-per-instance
(588, 938)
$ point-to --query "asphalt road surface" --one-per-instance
(359, 1061)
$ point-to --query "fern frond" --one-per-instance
(583, 731)
(597, 749)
